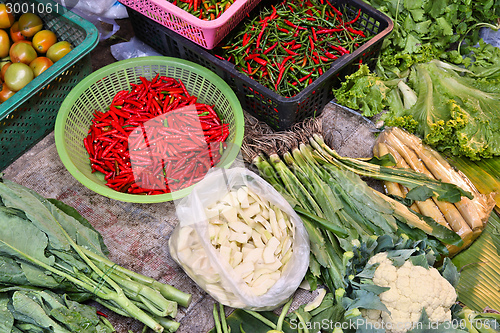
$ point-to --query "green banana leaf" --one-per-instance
(479, 267)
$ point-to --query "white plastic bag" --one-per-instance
(98, 12)
(192, 249)
(110, 9)
(490, 36)
(132, 49)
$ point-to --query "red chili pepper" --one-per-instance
(334, 9)
(260, 61)
(246, 39)
(282, 29)
(302, 79)
(341, 49)
(329, 55)
(355, 19)
(293, 25)
(315, 37)
(259, 37)
(328, 31)
(311, 43)
(274, 15)
(269, 49)
(290, 52)
(356, 32)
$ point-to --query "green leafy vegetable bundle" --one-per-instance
(452, 111)
(25, 309)
(47, 244)
(425, 29)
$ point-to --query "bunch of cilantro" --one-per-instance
(430, 29)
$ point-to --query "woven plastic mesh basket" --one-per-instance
(96, 92)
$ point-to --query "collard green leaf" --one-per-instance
(28, 310)
(20, 239)
(39, 277)
(20, 197)
(11, 272)
(426, 326)
(70, 261)
(76, 317)
(442, 233)
(6, 318)
(30, 328)
(72, 212)
(373, 288)
(386, 160)
(253, 325)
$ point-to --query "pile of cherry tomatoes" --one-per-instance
(26, 50)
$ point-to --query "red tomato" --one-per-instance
(15, 34)
(30, 24)
(6, 17)
(4, 69)
(22, 52)
(4, 43)
(40, 64)
(5, 93)
(43, 40)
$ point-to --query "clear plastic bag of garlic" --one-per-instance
(240, 240)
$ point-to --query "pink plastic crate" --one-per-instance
(204, 33)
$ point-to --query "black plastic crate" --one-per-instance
(277, 111)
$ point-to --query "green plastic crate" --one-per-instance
(30, 114)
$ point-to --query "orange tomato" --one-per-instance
(43, 40)
(5, 93)
(4, 69)
(15, 34)
(40, 64)
(58, 50)
(30, 24)
(6, 17)
(22, 52)
(4, 43)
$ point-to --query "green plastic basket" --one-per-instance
(30, 114)
(96, 92)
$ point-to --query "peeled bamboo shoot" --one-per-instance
(405, 158)
(475, 211)
(393, 188)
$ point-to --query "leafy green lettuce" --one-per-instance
(363, 91)
(453, 112)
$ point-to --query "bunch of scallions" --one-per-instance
(336, 206)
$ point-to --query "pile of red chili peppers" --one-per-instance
(287, 46)
(155, 138)
(206, 10)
